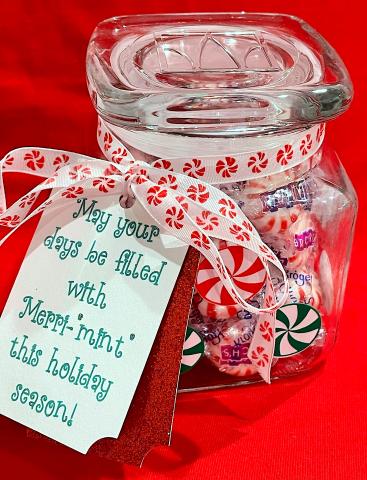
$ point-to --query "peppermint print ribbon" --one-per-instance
(264, 157)
(182, 204)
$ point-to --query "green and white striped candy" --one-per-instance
(193, 349)
(296, 327)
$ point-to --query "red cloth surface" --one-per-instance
(313, 427)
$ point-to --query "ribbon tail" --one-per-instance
(261, 350)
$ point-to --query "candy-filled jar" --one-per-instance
(241, 102)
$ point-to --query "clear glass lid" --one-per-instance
(223, 74)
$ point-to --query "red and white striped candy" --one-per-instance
(297, 259)
(284, 243)
(276, 223)
(212, 311)
(305, 220)
(306, 257)
(284, 248)
(245, 269)
(217, 312)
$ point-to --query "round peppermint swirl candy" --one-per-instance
(296, 327)
(245, 269)
(302, 361)
(193, 349)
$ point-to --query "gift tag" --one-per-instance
(82, 317)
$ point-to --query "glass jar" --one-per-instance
(241, 87)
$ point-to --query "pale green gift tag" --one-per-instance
(82, 316)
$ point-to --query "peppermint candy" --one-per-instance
(302, 361)
(193, 349)
(296, 327)
(276, 223)
(244, 268)
(217, 312)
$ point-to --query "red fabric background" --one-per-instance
(307, 428)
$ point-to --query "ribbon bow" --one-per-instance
(188, 208)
